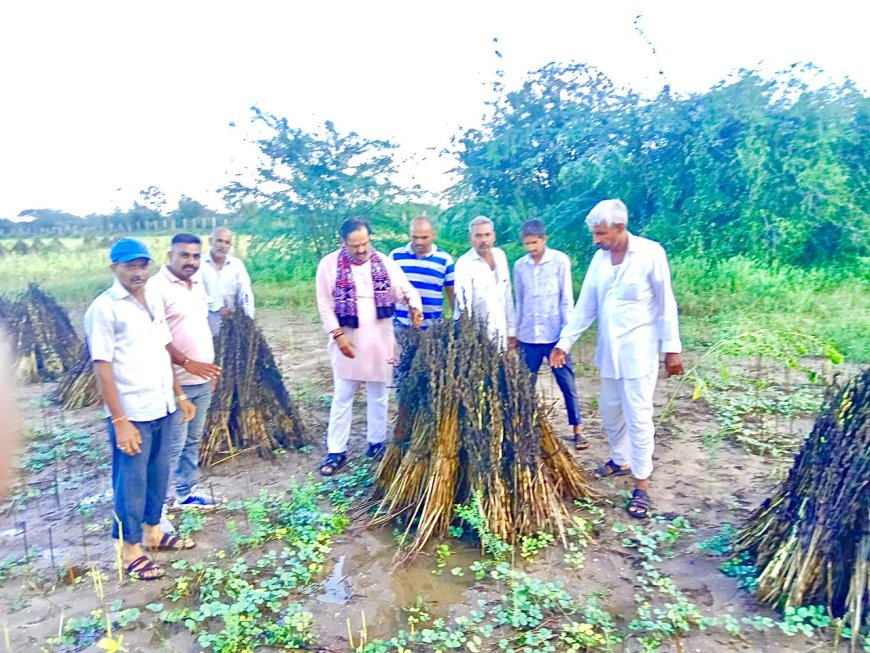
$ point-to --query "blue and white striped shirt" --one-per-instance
(429, 275)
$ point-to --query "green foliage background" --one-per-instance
(758, 189)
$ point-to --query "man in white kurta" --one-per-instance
(483, 283)
(364, 353)
(628, 290)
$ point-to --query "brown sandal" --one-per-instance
(171, 543)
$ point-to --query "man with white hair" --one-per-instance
(628, 290)
(225, 279)
(483, 283)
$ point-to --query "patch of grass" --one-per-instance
(720, 299)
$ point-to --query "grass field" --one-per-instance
(289, 562)
(717, 300)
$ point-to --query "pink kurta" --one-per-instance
(374, 343)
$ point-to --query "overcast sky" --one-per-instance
(103, 99)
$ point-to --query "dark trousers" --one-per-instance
(139, 482)
(534, 354)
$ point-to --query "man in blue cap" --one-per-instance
(127, 337)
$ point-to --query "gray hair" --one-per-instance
(608, 212)
(481, 219)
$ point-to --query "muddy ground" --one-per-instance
(69, 503)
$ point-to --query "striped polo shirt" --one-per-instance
(429, 275)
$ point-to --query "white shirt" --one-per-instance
(635, 309)
(133, 339)
(186, 309)
(545, 296)
(226, 287)
(486, 293)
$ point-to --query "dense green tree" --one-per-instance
(768, 168)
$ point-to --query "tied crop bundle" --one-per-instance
(77, 388)
(469, 425)
(811, 539)
(250, 407)
(47, 344)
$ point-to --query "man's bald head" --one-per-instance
(422, 235)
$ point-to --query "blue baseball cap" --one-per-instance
(128, 249)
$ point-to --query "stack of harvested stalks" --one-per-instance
(811, 540)
(469, 424)
(77, 388)
(20, 247)
(47, 344)
(250, 407)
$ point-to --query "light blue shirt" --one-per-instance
(545, 296)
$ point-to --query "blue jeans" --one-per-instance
(139, 482)
(534, 354)
(184, 450)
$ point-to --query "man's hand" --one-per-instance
(188, 410)
(345, 345)
(557, 358)
(203, 370)
(225, 311)
(127, 438)
(416, 318)
(512, 342)
(673, 364)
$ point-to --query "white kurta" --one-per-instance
(637, 318)
(635, 309)
(486, 293)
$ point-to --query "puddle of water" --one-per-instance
(335, 588)
(364, 581)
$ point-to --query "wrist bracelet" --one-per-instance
(336, 333)
(184, 362)
(180, 397)
(119, 419)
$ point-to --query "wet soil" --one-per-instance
(63, 511)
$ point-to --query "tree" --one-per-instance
(307, 184)
(767, 168)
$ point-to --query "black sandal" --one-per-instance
(610, 468)
(580, 442)
(333, 463)
(144, 568)
(375, 450)
(638, 507)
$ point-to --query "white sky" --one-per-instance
(102, 99)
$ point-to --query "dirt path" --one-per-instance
(66, 497)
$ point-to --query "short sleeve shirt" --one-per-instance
(133, 338)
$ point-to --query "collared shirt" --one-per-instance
(486, 293)
(228, 286)
(186, 309)
(429, 275)
(635, 308)
(545, 296)
(133, 339)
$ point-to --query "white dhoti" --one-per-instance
(340, 413)
(626, 408)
